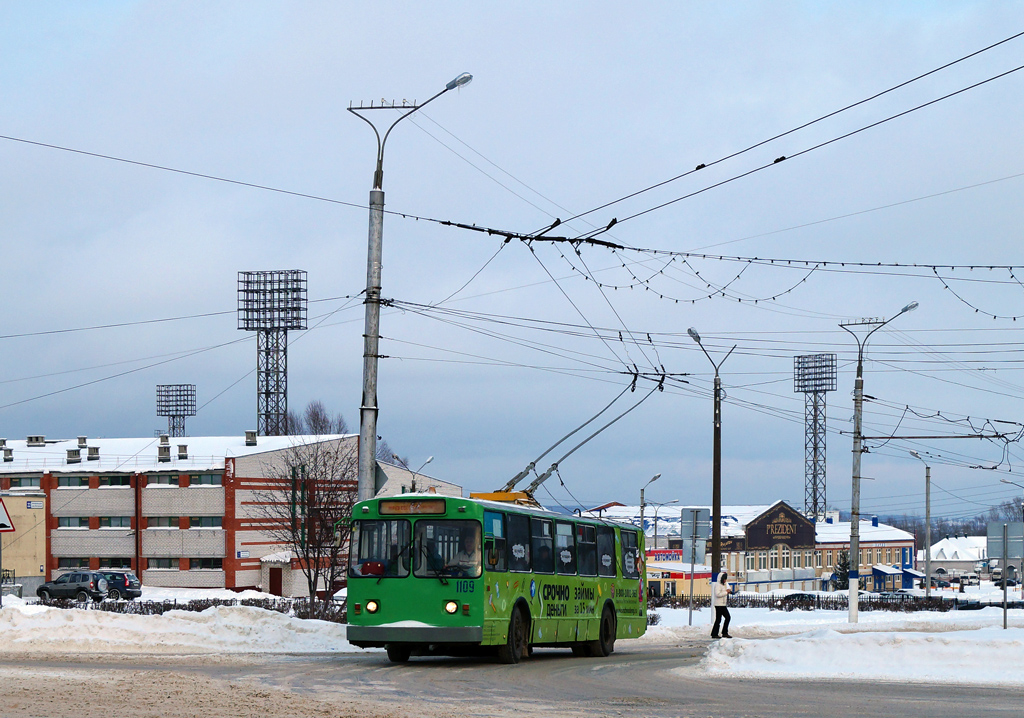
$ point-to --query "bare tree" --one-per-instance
(316, 421)
(310, 488)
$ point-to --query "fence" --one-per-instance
(333, 611)
(828, 602)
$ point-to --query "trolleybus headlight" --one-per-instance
(450, 607)
(372, 606)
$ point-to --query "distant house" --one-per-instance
(957, 554)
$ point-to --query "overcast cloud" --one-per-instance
(572, 106)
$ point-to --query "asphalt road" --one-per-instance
(635, 681)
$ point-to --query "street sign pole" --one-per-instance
(6, 526)
(693, 558)
(1005, 573)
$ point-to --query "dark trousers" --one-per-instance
(720, 613)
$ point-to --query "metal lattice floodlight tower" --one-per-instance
(176, 401)
(270, 304)
(813, 375)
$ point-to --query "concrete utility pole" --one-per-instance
(371, 333)
(927, 525)
(716, 471)
(858, 408)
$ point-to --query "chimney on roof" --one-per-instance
(828, 519)
(874, 521)
(94, 453)
(74, 456)
(3, 443)
(36, 441)
(82, 442)
(163, 453)
(182, 451)
(8, 454)
(165, 439)
(250, 438)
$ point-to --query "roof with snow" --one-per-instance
(839, 532)
(205, 453)
(962, 548)
(734, 518)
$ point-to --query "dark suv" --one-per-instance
(80, 585)
(122, 584)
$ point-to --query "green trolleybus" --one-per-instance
(431, 574)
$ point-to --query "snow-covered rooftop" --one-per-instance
(839, 532)
(962, 548)
(205, 453)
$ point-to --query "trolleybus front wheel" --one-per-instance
(516, 644)
(398, 653)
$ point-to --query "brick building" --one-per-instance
(186, 515)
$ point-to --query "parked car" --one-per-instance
(122, 584)
(939, 583)
(79, 585)
(802, 601)
(1010, 583)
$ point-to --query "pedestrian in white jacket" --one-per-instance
(719, 598)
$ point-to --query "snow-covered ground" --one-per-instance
(967, 647)
(28, 628)
(956, 646)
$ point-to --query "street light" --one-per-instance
(656, 507)
(1019, 486)
(716, 471)
(401, 461)
(371, 334)
(927, 525)
(642, 504)
(858, 407)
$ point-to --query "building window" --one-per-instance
(72, 563)
(817, 559)
(72, 481)
(773, 558)
(888, 555)
(206, 480)
(162, 522)
(163, 479)
(200, 564)
(798, 559)
(164, 563)
(878, 555)
(750, 561)
(828, 558)
(116, 480)
(115, 522)
(25, 482)
(116, 562)
(73, 522)
(784, 552)
(205, 522)
(762, 560)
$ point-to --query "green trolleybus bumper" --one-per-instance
(379, 636)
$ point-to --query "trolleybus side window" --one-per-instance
(495, 558)
(518, 542)
(446, 548)
(630, 557)
(586, 543)
(606, 551)
(380, 548)
(542, 542)
(565, 548)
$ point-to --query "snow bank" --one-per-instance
(981, 656)
(34, 629)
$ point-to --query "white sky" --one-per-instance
(584, 104)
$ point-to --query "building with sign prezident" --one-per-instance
(774, 546)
